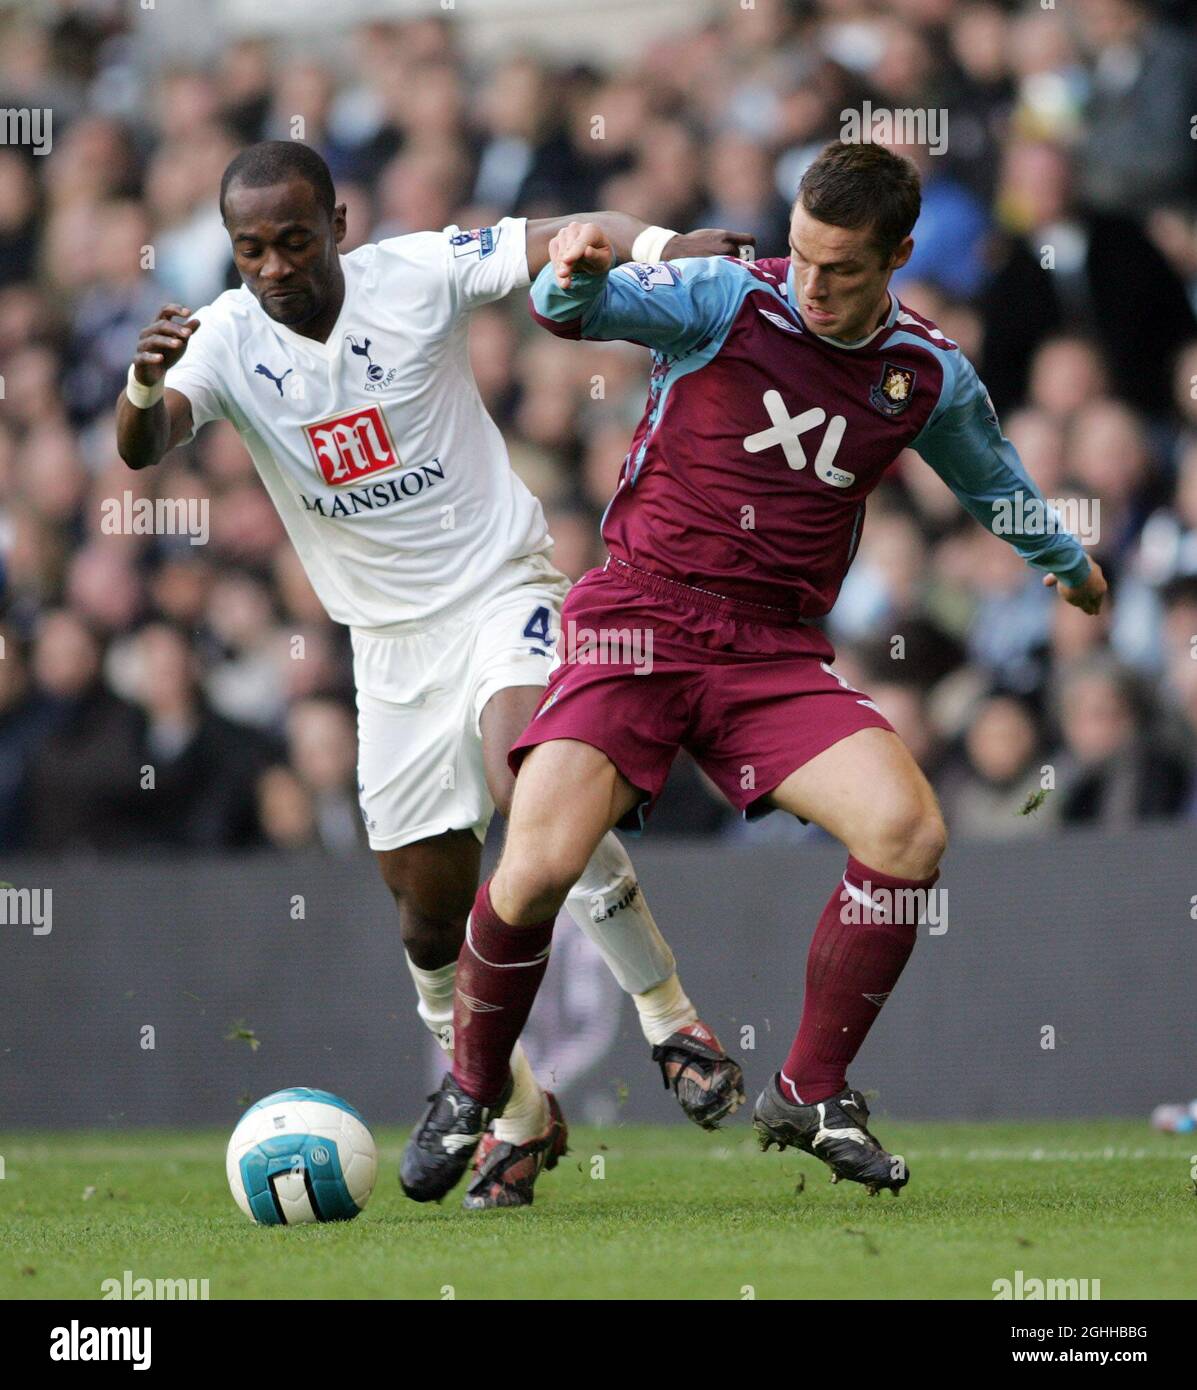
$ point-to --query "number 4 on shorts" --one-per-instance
(538, 627)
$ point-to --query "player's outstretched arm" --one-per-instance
(584, 293)
(964, 444)
(151, 420)
(630, 239)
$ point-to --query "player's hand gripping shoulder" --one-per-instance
(580, 246)
(585, 246)
(1086, 596)
(670, 307)
(707, 241)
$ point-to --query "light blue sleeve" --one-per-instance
(964, 444)
(672, 307)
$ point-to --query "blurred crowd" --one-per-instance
(1058, 246)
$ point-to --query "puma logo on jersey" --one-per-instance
(262, 370)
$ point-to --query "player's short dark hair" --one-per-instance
(858, 186)
(277, 161)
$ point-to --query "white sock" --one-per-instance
(527, 1111)
(435, 988)
(664, 1009)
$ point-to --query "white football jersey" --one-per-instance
(392, 480)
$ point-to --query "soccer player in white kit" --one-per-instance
(348, 378)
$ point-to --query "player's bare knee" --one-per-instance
(430, 942)
(438, 900)
(929, 843)
(432, 909)
(907, 839)
(534, 886)
(534, 897)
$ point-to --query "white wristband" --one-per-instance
(651, 242)
(143, 397)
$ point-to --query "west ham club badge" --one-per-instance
(894, 392)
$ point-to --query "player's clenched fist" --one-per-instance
(580, 246)
(162, 343)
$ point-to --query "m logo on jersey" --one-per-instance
(479, 240)
(894, 392)
(350, 446)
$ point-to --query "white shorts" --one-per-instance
(420, 697)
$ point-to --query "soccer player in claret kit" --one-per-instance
(780, 393)
(348, 378)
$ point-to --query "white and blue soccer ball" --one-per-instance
(301, 1155)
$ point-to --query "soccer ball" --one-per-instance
(301, 1155)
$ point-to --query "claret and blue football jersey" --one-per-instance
(749, 472)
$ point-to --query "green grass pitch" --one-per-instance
(632, 1212)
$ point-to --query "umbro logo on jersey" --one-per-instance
(262, 370)
(779, 321)
(353, 445)
(377, 378)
